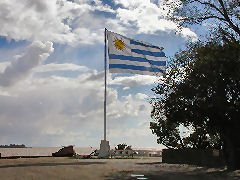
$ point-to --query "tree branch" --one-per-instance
(204, 18)
(211, 5)
(225, 15)
(211, 17)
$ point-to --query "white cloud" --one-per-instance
(56, 107)
(31, 20)
(126, 88)
(149, 17)
(128, 133)
(78, 22)
(60, 67)
(129, 136)
(132, 4)
(58, 21)
(187, 33)
(141, 96)
(50, 107)
(126, 108)
(132, 81)
(3, 66)
(19, 68)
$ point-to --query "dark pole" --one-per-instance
(105, 90)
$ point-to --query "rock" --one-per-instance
(67, 151)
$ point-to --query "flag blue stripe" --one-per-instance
(138, 59)
(131, 67)
(142, 44)
(150, 53)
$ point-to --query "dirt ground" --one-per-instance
(48, 168)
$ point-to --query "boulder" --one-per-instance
(67, 151)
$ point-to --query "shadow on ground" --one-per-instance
(167, 175)
(164, 171)
(51, 164)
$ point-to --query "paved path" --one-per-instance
(108, 169)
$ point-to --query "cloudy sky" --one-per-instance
(52, 71)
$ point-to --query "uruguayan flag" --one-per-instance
(131, 56)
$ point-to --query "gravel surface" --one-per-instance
(109, 169)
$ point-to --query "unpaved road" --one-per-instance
(48, 168)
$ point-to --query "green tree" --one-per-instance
(200, 139)
(167, 132)
(202, 89)
(121, 146)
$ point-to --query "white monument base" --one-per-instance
(104, 151)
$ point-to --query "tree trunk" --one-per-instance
(231, 150)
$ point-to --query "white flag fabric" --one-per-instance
(131, 56)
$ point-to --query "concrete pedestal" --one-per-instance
(104, 151)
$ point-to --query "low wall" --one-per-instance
(123, 153)
(200, 157)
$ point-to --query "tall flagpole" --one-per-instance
(105, 90)
(104, 151)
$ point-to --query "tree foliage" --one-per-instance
(200, 139)
(222, 15)
(123, 146)
(201, 89)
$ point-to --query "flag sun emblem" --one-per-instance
(119, 44)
